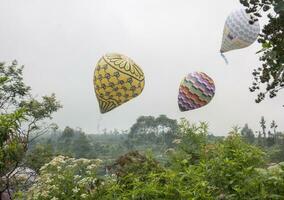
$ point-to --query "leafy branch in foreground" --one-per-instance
(271, 74)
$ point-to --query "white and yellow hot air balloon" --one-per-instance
(238, 32)
(117, 79)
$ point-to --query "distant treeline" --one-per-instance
(157, 134)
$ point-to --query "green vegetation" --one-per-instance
(196, 167)
(21, 118)
(269, 78)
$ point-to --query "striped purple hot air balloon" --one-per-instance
(196, 90)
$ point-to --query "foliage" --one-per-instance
(225, 170)
(21, 120)
(248, 134)
(276, 153)
(271, 73)
(74, 143)
(12, 87)
(228, 168)
(231, 168)
(38, 156)
(152, 130)
(11, 146)
(108, 146)
(134, 162)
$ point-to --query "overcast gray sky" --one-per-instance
(59, 42)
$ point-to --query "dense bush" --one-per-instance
(64, 178)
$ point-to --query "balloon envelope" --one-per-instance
(238, 32)
(117, 79)
(196, 90)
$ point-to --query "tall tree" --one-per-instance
(247, 133)
(274, 127)
(270, 141)
(38, 156)
(153, 130)
(64, 143)
(22, 120)
(271, 73)
(82, 146)
(263, 126)
(168, 129)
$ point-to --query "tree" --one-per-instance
(38, 156)
(274, 127)
(191, 139)
(247, 133)
(263, 126)
(259, 138)
(74, 143)
(168, 128)
(64, 143)
(22, 120)
(81, 146)
(68, 133)
(153, 130)
(144, 125)
(271, 73)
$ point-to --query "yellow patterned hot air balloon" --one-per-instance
(117, 79)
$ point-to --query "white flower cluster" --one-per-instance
(65, 176)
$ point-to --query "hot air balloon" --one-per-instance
(238, 32)
(117, 79)
(196, 90)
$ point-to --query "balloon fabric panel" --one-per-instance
(117, 79)
(238, 32)
(196, 90)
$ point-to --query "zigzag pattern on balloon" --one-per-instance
(196, 90)
(184, 104)
(198, 84)
(189, 101)
(201, 82)
(190, 95)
